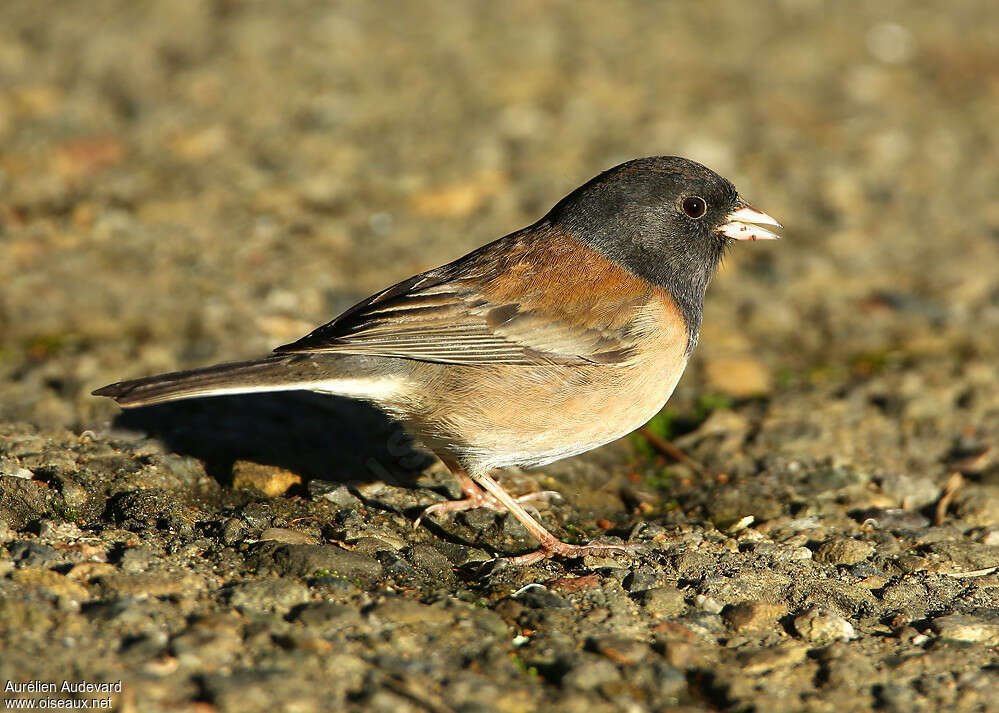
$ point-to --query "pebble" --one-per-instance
(663, 601)
(233, 531)
(287, 536)
(821, 626)
(538, 596)
(843, 550)
(314, 560)
(973, 629)
(335, 493)
(590, 673)
(401, 611)
(621, 650)
(267, 479)
(267, 595)
(782, 655)
(753, 615)
(708, 604)
(894, 519)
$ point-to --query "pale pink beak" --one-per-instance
(743, 223)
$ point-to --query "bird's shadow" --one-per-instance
(318, 437)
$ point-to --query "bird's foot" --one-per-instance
(479, 498)
(557, 548)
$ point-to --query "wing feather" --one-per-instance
(510, 302)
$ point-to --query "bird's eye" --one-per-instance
(694, 206)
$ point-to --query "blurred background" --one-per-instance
(188, 182)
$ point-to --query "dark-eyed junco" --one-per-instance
(553, 340)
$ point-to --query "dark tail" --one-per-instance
(276, 373)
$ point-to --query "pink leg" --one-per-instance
(551, 546)
(476, 497)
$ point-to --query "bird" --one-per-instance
(546, 343)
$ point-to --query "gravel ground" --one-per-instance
(189, 182)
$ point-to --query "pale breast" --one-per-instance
(494, 417)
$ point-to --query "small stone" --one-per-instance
(753, 616)
(973, 629)
(400, 611)
(708, 604)
(267, 479)
(233, 531)
(894, 519)
(52, 530)
(314, 561)
(431, 561)
(621, 650)
(269, 595)
(844, 550)
(290, 537)
(12, 468)
(978, 505)
(822, 626)
(52, 583)
(663, 601)
(21, 502)
(206, 648)
(336, 493)
(328, 615)
(590, 674)
(538, 596)
(911, 492)
(641, 579)
(33, 554)
(136, 559)
(784, 654)
(683, 654)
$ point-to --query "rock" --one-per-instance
(267, 479)
(978, 505)
(538, 596)
(911, 492)
(28, 553)
(590, 673)
(974, 629)
(52, 583)
(894, 519)
(314, 561)
(54, 530)
(268, 595)
(621, 650)
(328, 615)
(233, 531)
(12, 468)
(821, 626)
(843, 550)
(783, 655)
(708, 604)
(22, 502)
(287, 536)
(663, 601)
(400, 611)
(136, 559)
(641, 579)
(336, 493)
(207, 645)
(753, 616)
(431, 561)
